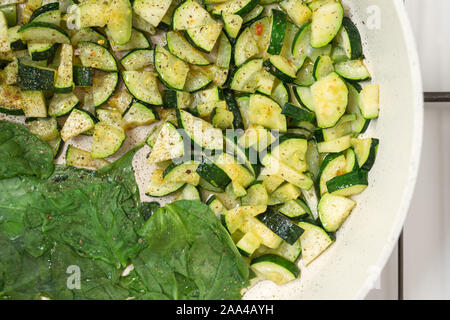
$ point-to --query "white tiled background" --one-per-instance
(426, 241)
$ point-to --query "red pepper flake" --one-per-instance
(259, 29)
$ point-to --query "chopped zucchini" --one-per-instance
(275, 268)
(82, 76)
(330, 95)
(285, 193)
(201, 133)
(10, 100)
(181, 48)
(326, 23)
(95, 56)
(295, 208)
(267, 113)
(168, 145)
(158, 187)
(256, 195)
(332, 166)
(103, 87)
(248, 244)
(182, 172)
(352, 70)
(172, 71)
(237, 172)
(138, 59)
(138, 115)
(314, 241)
(213, 174)
(294, 176)
(64, 75)
(35, 78)
(369, 101)
(44, 128)
(297, 10)
(366, 152)
(43, 32)
(81, 158)
(138, 40)
(34, 104)
(334, 210)
(62, 104)
(151, 11)
(189, 192)
(143, 85)
(107, 140)
(78, 122)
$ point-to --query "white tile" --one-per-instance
(431, 26)
(426, 236)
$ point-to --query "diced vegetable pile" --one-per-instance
(256, 107)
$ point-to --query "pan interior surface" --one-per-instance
(351, 266)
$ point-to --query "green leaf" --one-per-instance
(16, 194)
(52, 218)
(22, 153)
(98, 280)
(25, 277)
(190, 255)
(21, 275)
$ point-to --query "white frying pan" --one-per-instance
(350, 268)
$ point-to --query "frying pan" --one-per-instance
(351, 266)
(349, 269)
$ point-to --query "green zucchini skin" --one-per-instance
(18, 45)
(282, 226)
(276, 259)
(48, 55)
(254, 15)
(170, 99)
(367, 166)
(45, 25)
(35, 78)
(354, 178)
(210, 200)
(213, 174)
(279, 23)
(82, 76)
(244, 10)
(279, 141)
(248, 8)
(276, 72)
(298, 113)
(45, 8)
(233, 107)
(354, 37)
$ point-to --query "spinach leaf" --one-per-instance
(22, 153)
(98, 280)
(25, 277)
(21, 275)
(90, 219)
(55, 217)
(190, 255)
(95, 214)
(16, 195)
